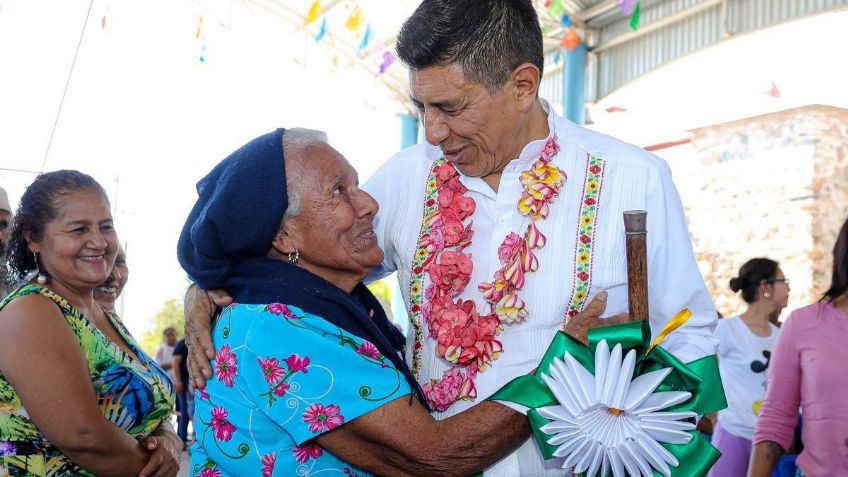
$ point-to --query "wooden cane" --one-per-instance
(637, 263)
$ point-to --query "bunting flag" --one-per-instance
(556, 9)
(315, 11)
(637, 13)
(774, 91)
(103, 20)
(388, 59)
(558, 57)
(322, 31)
(566, 21)
(199, 28)
(571, 39)
(356, 19)
(366, 38)
(626, 6)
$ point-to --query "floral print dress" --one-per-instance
(283, 377)
(134, 395)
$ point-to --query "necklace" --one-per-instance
(465, 337)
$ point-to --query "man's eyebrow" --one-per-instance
(447, 104)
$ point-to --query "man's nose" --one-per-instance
(436, 130)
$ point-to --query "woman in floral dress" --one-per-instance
(78, 396)
(309, 377)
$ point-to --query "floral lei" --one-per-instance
(465, 337)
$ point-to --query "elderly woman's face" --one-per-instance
(78, 247)
(334, 232)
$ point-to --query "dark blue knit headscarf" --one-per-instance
(228, 234)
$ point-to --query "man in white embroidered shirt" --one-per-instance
(545, 232)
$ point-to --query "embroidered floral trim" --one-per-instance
(424, 254)
(584, 250)
(464, 336)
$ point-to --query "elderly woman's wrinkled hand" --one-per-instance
(200, 308)
(165, 452)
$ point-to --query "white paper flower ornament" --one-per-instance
(610, 423)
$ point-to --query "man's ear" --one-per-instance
(525, 80)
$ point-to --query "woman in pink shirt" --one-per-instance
(808, 369)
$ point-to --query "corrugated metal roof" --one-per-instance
(668, 30)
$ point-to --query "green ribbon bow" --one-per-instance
(701, 378)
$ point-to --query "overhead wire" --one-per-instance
(67, 83)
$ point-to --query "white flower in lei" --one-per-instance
(611, 422)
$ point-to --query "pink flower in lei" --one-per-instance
(510, 248)
(453, 386)
(226, 365)
(209, 473)
(452, 274)
(268, 461)
(222, 427)
(307, 451)
(464, 336)
(323, 418)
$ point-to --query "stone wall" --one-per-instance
(830, 186)
(774, 185)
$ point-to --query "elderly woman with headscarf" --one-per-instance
(308, 371)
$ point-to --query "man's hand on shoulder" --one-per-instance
(579, 325)
(200, 308)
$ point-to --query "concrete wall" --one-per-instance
(774, 185)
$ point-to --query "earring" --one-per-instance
(767, 294)
(294, 256)
(42, 277)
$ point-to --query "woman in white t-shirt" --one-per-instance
(744, 352)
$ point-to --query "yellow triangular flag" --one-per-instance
(356, 19)
(315, 11)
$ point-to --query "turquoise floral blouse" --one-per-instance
(283, 377)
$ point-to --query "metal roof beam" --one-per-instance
(661, 23)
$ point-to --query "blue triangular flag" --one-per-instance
(366, 38)
(322, 31)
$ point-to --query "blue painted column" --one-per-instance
(408, 130)
(574, 85)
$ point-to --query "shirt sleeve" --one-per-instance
(779, 412)
(380, 186)
(676, 282)
(721, 335)
(309, 377)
